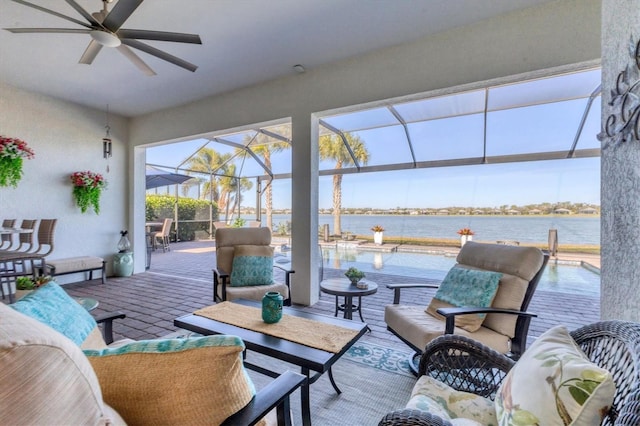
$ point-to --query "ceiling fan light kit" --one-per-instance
(104, 29)
(105, 38)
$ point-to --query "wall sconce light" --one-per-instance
(106, 141)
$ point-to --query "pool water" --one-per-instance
(563, 278)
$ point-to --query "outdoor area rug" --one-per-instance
(380, 357)
(367, 393)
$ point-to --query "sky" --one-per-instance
(521, 121)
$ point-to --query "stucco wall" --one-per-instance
(66, 138)
(554, 34)
(620, 191)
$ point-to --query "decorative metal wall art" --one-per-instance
(623, 125)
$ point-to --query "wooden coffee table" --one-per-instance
(308, 359)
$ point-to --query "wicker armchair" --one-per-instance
(469, 366)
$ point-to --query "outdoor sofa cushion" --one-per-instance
(45, 378)
(183, 381)
(51, 305)
(460, 408)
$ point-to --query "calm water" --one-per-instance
(528, 229)
(560, 278)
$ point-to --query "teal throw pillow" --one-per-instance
(252, 265)
(51, 305)
(469, 287)
(464, 287)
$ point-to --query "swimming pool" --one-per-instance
(563, 278)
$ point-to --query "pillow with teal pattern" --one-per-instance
(464, 287)
(51, 305)
(252, 265)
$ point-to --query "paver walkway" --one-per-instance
(180, 281)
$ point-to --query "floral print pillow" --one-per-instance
(554, 383)
(460, 408)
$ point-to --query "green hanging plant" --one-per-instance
(12, 151)
(87, 188)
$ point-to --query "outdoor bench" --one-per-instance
(73, 265)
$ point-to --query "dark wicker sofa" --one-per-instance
(469, 366)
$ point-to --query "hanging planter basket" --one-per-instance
(12, 153)
(87, 188)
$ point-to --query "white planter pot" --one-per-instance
(464, 239)
(377, 238)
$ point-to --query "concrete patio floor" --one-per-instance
(180, 281)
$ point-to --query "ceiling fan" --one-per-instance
(104, 27)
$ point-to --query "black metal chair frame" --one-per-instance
(469, 366)
(519, 340)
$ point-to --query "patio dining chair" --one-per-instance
(6, 240)
(485, 296)
(163, 235)
(588, 376)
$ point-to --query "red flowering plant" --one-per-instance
(87, 187)
(465, 231)
(12, 152)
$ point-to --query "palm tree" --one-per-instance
(209, 161)
(332, 148)
(231, 188)
(262, 146)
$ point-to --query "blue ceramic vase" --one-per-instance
(272, 307)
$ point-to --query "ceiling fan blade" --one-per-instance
(86, 15)
(160, 54)
(90, 52)
(51, 12)
(135, 59)
(120, 13)
(160, 35)
(48, 30)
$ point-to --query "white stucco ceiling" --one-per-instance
(244, 42)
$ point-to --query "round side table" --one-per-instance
(87, 302)
(343, 287)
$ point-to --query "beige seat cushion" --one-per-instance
(254, 292)
(45, 378)
(419, 328)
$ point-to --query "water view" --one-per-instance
(526, 229)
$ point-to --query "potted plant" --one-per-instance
(354, 275)
(25, 285)
(466, 234)
(87, 187)
(12, 152)
(377, 234)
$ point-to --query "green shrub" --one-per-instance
(159, 207)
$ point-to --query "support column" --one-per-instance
(620, 184)
(304, 206)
